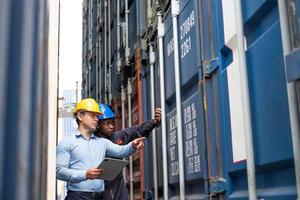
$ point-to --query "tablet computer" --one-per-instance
(112, 167)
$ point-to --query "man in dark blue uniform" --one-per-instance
(116, 189)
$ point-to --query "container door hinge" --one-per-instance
(210, 66)
(217, 185)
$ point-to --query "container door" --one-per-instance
(275, 177)
(211, 83)
(195, 165)
(293, 58)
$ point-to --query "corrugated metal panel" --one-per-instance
(189, 41)
(210, 100)
(268, 101)
(132, 27)
(158, 130)
(4, 26)
(148, 157)
(116, 81)
(291, 43)
(192, 107)
(85, 43)
(169, 57)
(92, 47)
(90, 37)
(113, 12)
(24, 100)
(263, 113)
(215, 102)
(100, 36)
(138, 168)
(270, 115)
(114, 41)
(141, 17)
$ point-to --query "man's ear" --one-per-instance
(80, 115)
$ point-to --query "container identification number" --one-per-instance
(172, 146)
(185, 29)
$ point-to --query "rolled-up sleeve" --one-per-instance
(62, 165)
(119, 151)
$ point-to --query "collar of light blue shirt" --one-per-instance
(78, 134)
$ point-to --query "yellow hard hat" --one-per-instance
(88, 104)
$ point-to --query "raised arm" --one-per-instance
(143, 130)
(134, 132)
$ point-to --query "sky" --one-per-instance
(70, 55)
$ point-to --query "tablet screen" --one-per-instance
(112, 167)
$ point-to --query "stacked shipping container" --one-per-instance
(28, 90)
(206, 146)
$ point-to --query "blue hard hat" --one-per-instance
(107, 112)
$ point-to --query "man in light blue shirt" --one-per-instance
(79, 155)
